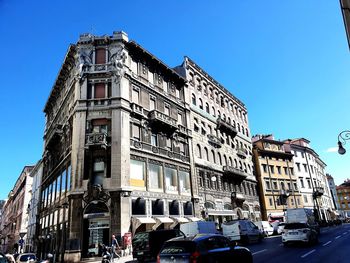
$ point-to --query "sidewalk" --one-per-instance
(124, 259)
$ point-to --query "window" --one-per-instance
(285, 170)
(69, 178)
(188, 209)
(207, 107)
(152, 103)
(177, 93)
(302, 183)
(170, 179)
(98, 171)
(279, 169)
(154, 140)
(200, 104)
(174, 208)
(272, 170)
(275, 187)
(212, 156)
(219, 157)
(99, 90)
(206, 154)
(295, 153)
(194, 102)
(199, 153)
(302, 155)
(100, 56)
(298, 167)
(291, 171)
(213, 110)
(179, 118)
(184, 182)
(167, 109)
(135, 95)
(305, 199)
(155, 176)
(308, 183)
(157, 207)
(270, 201)
(137, 173)
(138, 206)
(295, 186)
(305, 167)
(136, 132)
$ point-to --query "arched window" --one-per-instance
(213, 156)
(246, 132)
(225, 160)
(200, 104)
(206, 153)
(230, 161)
(224, 117)
(219, 114)
(219, 157)
(213, 110)
(245, 168)
(199, 153)
(194, 101)
(227, 206)
(240, 165)
(209, 205)
(229, 120)
(238, 127)
(236, 165)
(207, 107)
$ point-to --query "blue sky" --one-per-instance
(288, 61)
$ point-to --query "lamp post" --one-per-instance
(342, 138)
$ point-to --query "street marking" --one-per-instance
(337, 237)
(257, 252)
(345, 233)
(308, 253)
(327, 243)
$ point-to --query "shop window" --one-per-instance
(155, 176)
(184, 182)
(157, 207)
(137, 173)
(170, 179)
(188, 209)
(138, 206)
(174, 209)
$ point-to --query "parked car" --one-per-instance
(26, 257)
(146, 245)
(199, 227)
(3, 258)
(243, 231)
(265, 227)
(203, 248)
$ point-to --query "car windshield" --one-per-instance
(178, 247)
(295, 226)
(26, 257)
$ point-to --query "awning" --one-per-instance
(194, 219)
(276, 214)
(164, 219)
(138, 221)
(221, 213)
(180, 219)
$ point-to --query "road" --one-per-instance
(333, 247)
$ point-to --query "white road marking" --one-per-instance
(337, 237)
(327, 243)
(260, 251)
(345, 233)
(308, 253)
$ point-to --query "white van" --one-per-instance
(265, 227)
(199, 227)
(244, 231)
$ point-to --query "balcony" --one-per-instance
(98, 68)
(160, 151)
(136, 109)
(183, 130)
(96, 139)
(234, 173)
(226, 127)
(215, 141)
(163, 121)
(242, 153)
(319, 191)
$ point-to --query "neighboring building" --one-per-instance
(333, 189)
(33, 209)
(313, 184)
(15, 216)
(2, 225)
(117, 148)
(278, 187)
(223, 167)
(343, 193)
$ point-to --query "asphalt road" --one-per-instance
(333, 247)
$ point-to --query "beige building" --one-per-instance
(276, 176)
(222, 166)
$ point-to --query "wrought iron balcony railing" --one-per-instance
(234, 173)
(96, 139)
(215, 141)
(226, 127)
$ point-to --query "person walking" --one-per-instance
(115, 248)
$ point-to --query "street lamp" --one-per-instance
(342, 138)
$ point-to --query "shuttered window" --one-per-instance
(100, 90)
(100, 57)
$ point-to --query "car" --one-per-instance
(26, 257)
(10, 258)
(203, 248)
(265, 227)
(3, 258)
(242, 231)
(280, 228)
(146, 245)
(299, 232)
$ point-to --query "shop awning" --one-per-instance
(276, 214)
(221, 212)
(138, 221)
(194, 219)
(180, 219)
(164, 219)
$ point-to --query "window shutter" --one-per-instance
(99, 90)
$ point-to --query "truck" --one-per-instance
(300, 226)
(199, 227)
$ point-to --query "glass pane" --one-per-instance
(171, 179)
(185, 185)
(155, 176)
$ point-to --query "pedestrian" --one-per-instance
(115, 248)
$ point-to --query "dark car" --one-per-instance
(3, 258)
(146, 245)
(203, 248)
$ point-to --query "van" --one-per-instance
(146, 245)
(265, 227)
(243, 231)
(199, 227)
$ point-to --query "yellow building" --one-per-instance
(343, 193)
(278, 188)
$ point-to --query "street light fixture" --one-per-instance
(342, 138)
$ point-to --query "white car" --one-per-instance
(265, 227)
(280, 228)
(26, 257)
(299, 232)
